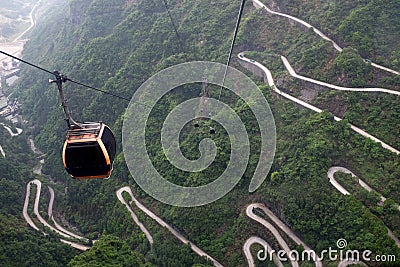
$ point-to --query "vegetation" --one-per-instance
(116, 47)
(108, 251)
(23, 247)
(19, 245)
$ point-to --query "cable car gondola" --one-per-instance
(89, 151)
(212, 130)
(89, 148)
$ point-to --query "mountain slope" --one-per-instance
(116, 47)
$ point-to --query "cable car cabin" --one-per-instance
(89, 151)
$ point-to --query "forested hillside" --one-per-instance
(117, 45)
(19, 243)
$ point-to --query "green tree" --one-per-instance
(108, 251)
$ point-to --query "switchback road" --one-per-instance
(61, 231)
(335, 87)
(250, 212)
(271, 83)
(331, 172)
(265, 253)
(259, 4)
(161, 222)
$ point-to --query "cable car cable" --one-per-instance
(232, 45)
(26, 62)
(99, 90)
(230, 51)
(89, 149)
(174, 26)
(68, 79)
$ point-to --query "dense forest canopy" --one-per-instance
(117, 45)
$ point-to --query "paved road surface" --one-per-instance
(363, 184)
(19, 131)
(32, 20)
(272, 229)
(75, 245)
(36, 208)
(25, 208)
(183, 239)
(271, 83)
(259, 4)
(266, 248)
(335, 183)
(133, 215)
(58, 226)
(40, 218)
(281, 225)
(331, 173)
(335, 87)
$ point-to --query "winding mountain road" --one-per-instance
(32, 20)
(19, 131)
(133, 215)
(36, 208)
(335, 87)
(271, 228)
(363, 184)
(250, 212)
(25, 208)
(33, 147)
(58, 226)
(259, 4)
(267, 248)
(335, 183)
(64, 233)
(160, 221)
(271, 83)
(331, 172)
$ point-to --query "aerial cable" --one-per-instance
(67, 79)
(26, 62)
(232, 45)
(173, 25)
(179, 39)
(99, 90)
(56, 73)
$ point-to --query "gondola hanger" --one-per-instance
(89, 147)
